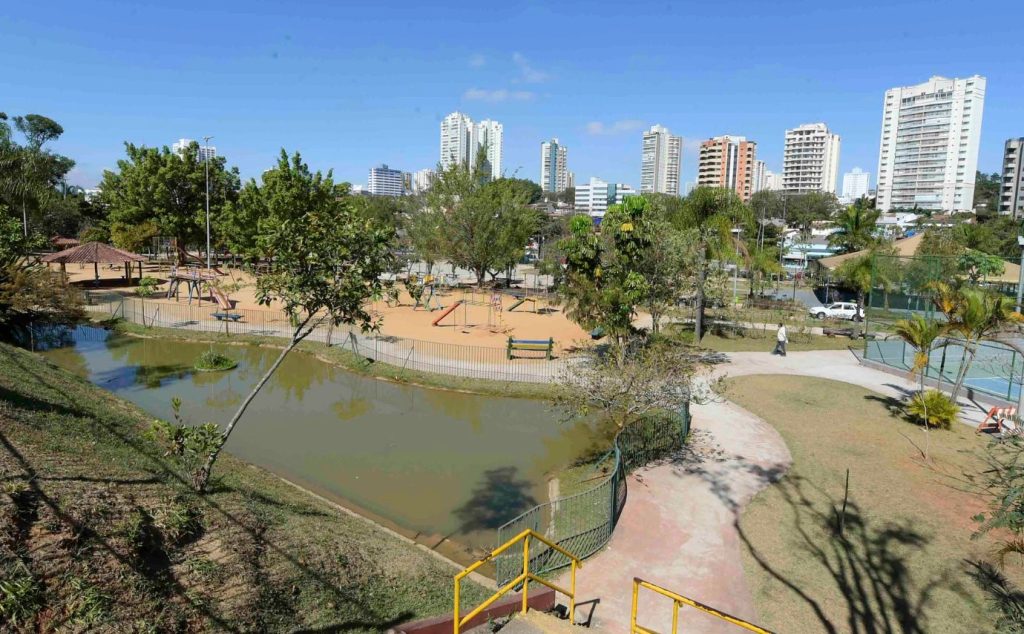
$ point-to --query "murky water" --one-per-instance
(435, 464)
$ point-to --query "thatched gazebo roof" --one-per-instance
(93, 253)
(96, 253)
(62, 242)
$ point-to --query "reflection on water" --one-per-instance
(439, 464)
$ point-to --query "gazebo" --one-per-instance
(96, 253)
(64, 243)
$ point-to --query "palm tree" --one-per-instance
(856, 228)
(921, 334)
(712, 212)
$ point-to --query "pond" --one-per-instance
(444, 468)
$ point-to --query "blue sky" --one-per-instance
(351, 85)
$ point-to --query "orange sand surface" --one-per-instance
(476, 321)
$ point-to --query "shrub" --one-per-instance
(19, 596)
(188, 445)
(212, 361)
(934, 409)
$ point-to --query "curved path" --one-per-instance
(678, 529)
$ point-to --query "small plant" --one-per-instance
(180, 521)
(19, 597)
(146, 288)
(188, 445)
(213, 361)
(87, 605)
(934, 409)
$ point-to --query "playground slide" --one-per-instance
(516, 305)
(446, 312)
(222, 300)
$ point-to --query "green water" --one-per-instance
(444, 467)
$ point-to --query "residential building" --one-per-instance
(928, 153)
(856, 184)
(554, 175)
(772, 181)
(757, 182)
(728, 161)
(207, 151)
(595, 195)
(461, 139)
(488, 135)
(570, 181)
(456, 138)
(385, 181)
(895, 225)
(422, 180)
(810, 161)
(1011, 191)
(662, 161)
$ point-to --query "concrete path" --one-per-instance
(678, 529)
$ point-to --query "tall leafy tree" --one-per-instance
(856, 226)
(712, 213)
(327, 261)
(167, 190)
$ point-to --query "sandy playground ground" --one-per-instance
(476, 321)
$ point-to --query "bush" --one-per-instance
(189, 446)
(19, 596)
(934, 409)
(211, 361)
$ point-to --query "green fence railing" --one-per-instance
(582, 523)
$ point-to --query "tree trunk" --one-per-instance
(965, 365)
(698, 327)
(203, 477)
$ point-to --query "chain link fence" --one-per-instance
(582, 523)
(478, 362)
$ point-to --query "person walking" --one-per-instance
(781, 339)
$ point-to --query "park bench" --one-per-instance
(531, 345)
(839, 332)
(227, 316)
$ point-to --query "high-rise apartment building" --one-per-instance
(461, 140)
(760, 169)
(662, 161)
(595, 195)
(1011, 190)
(422, 180)
(856, 184)
(728, 162)
(205, 151)
(772, 181)
(554, 173)
(810, 160)
(385, 181)
(928, 153)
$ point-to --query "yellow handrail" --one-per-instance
(677, 600)
(525, 577)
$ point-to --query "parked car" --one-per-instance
(838, 310)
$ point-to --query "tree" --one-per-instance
(166, 189)
(859, 273)
(328, 260)
(803, 209)
(986, 193)
(921, 334)
(856, 228)
(712, 213)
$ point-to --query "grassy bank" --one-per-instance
(347, 359)
(901, 562)
(98, 532)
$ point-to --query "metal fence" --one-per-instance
(477, 362)
(582, 523)
(997, 369)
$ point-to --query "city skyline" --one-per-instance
(263, 88)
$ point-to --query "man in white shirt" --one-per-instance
(781, 340)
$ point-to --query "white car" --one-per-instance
(838, 310)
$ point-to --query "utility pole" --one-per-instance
(1020, 277)
(206, 153)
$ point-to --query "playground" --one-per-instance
(416, 309)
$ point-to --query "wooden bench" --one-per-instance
(227, 316)
(531, 345)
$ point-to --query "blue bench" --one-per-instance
(227, 316)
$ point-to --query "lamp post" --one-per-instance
(206, 152)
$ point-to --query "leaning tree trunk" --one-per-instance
(965, 365)
(202, 478)
(698, 327)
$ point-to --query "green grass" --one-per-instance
(345, 358)
(98, 531)
(900, 563)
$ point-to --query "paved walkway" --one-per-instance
(678, 527)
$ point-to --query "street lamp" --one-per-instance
(206, 152)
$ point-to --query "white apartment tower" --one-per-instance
(461, 139)
(760, 171)
(810, 161)
(856, 184)
(662, 161)
(595, 195)
(928, 153)
(422, 180)
(554, 172)
(385, 181)
(207, 151)
(1011, 190)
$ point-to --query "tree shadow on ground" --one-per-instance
(498, 498)
(866, 564)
